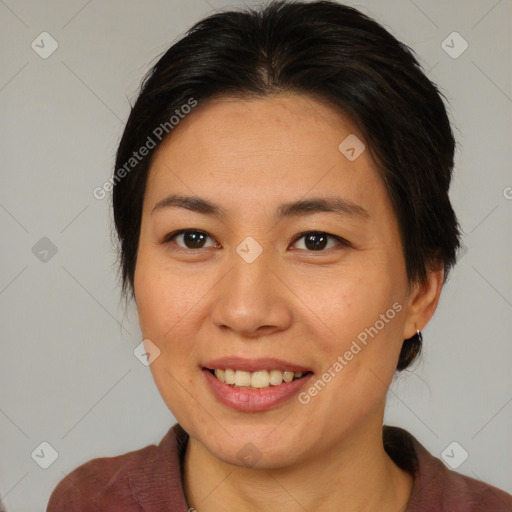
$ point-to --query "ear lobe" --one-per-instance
(423, 301)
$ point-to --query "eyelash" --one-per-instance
(170, 237)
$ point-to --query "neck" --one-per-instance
(355, 475)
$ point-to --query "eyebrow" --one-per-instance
(299, 208)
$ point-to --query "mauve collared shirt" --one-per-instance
(150, 480)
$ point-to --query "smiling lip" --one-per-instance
(254, 400)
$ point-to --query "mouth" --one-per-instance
(254, 385)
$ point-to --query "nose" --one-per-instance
(252, 300)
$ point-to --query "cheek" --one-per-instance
(157, 295)
(350, 297)
(359, 314)
(360, 352)
(165, 312)
(168, 299)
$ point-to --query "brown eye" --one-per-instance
(318, 240)
(188, 239)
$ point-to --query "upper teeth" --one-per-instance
(259, 379)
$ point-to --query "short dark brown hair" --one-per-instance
(338, 55)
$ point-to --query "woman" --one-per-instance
(281, 201)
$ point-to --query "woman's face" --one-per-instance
(267, 279)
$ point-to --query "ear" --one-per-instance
(423, 300)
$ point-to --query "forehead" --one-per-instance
(282, 146)
(289, 123)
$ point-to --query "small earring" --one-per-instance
(419, 336)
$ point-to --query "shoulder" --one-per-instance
(113, 483)
(98, 483)
(438, 488)
(454, 492)
(465, 494)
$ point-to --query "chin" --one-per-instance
(263, 454)
(264, 445)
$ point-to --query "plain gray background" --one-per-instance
(68, 376)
